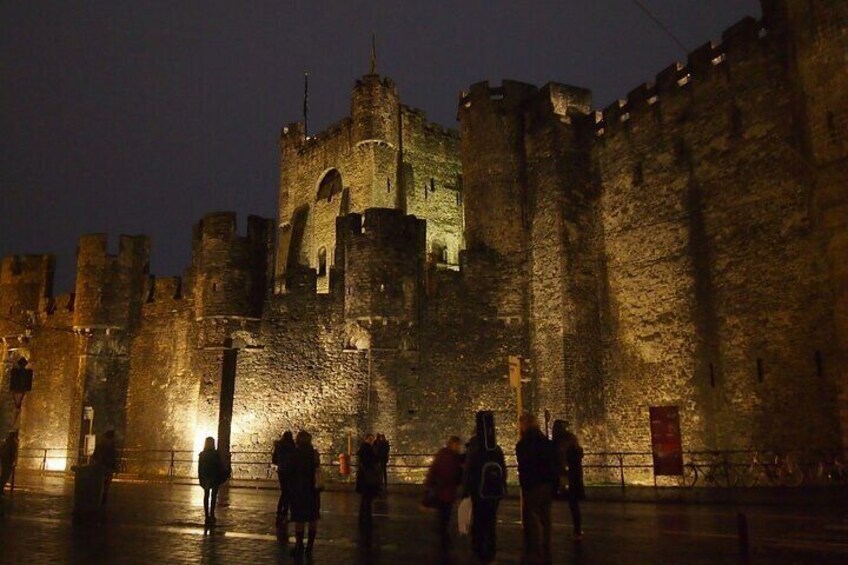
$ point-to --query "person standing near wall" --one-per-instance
(106, 457)
(537, 475)
(443, 479)
(382, 447)
(8, 455)
(304, 496)
(570, 469)
(368, 478)
(485, 483)
(212, 473)
(283, 449)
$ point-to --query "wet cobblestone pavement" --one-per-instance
(148, 523)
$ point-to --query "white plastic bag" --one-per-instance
(463, 516)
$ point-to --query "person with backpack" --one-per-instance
(485, 483)
(283, 448)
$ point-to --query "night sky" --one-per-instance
(139, 117)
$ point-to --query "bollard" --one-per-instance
(172, 471)
(621, 468)
(742, 529)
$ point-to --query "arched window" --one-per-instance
(322, 262)
(330, 185)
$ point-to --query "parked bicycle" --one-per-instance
(717, 471)
(831, 471)
(781, 470)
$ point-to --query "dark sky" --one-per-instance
(139, 117)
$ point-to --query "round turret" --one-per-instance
(110, 288)
(492, 131)
(229, 270)
(25, 280)
(375, 111)
(383, 265)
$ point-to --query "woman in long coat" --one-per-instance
(303, 493)
(212, 474)
(282, 452)
(368, 479)
(570, 463)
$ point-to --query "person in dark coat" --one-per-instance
(283, 449)
(382, 447)
(304, 496)
(8, 455)
(106, 456)
(485, 483)
(570, 466)
(368, 479)
(443, 480)
(212, 473)
(537, 475)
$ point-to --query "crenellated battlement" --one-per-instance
(161, 289)
(27, 269)
(223, 227)
(132, 250)
(292, 136)
(677, 83)
(109, 287)
(416, 118)
(507, 97)
(229, 271)
(26, 284)
(60, 304)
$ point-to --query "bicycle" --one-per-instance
(781, 471)
(718, 471)
(832, 471)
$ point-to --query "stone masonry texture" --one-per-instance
(686, 246)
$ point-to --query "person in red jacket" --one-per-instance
(443, 480)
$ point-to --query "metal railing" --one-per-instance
(622, 468)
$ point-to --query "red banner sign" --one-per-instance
(666, 444)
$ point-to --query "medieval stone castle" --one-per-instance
(687, 246)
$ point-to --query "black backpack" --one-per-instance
(492, 472)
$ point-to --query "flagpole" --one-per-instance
(305, 106)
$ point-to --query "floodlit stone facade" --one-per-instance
(686, 246)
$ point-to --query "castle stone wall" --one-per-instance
(718, 295)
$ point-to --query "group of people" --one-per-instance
(547, 469)
(301, 482)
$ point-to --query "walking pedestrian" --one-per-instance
(106, 457)
(537, 476)
(283, 449)
(382, 447)
(304, 495)
(212, 473)
(443, 479)
(570, 469)
(368, 478)
(485, 483)
(8, 456)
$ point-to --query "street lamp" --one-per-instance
(20, 384)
